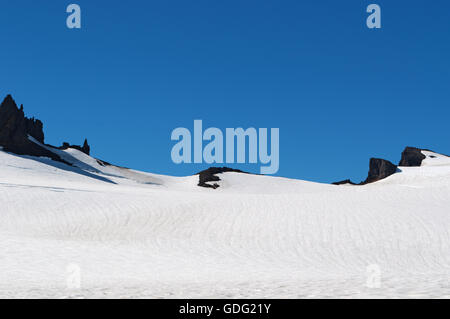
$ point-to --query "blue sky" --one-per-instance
(339, 92)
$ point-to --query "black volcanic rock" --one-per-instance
(412, 157)
(379, 169)
(209, 175)
(15, 130)
(14, 125)
(86, 149)
(345, 182)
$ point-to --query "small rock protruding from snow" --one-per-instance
(412, 157)
(435, 159)
(209, 175)
(86, 149)
(379, 169)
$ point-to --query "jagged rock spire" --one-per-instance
(14, 126)
(15, 130)
(86, 148)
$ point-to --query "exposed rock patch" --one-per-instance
(344, 182)
(103, 163)
(412, 157)
(379, 169)
(209, 175)
(86, 149)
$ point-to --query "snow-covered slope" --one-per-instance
(125, 233)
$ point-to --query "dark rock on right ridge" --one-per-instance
(378, 169)
(412, 157)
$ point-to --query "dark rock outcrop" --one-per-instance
(209, 175)
(379, 169)
(412, 157)
(345, 182)
(16, 130)
(86, 149)
(14, 125)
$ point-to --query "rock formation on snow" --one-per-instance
(25, 136)
(344, 182)
(411, 157)
(86, 149)
(209, 175)
(14, 126)
(379, 169)
(16, 131)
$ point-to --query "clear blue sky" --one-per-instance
(339, 92)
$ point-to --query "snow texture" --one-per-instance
(94, 231)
